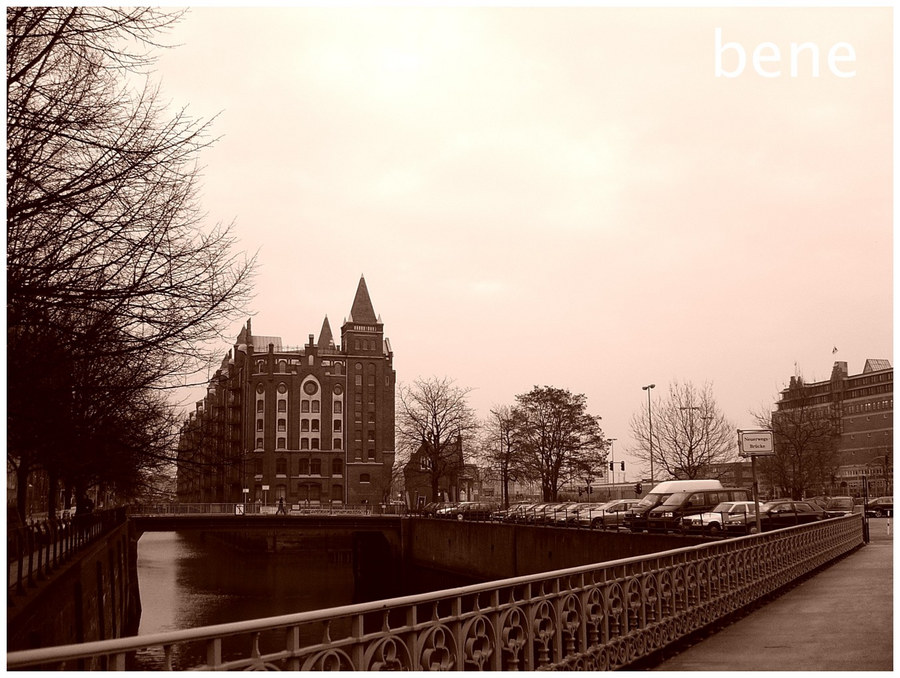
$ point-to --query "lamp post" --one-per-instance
(648, 388)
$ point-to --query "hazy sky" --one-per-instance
(565, 197)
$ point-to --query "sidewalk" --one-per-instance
(841, 619)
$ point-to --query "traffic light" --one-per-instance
(623, 465)
(638, 488)
(612, 465)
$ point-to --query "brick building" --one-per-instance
(861, 406)
(312, 424)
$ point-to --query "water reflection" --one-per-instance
(188, 581)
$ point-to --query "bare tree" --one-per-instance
(806, 446)
(108, 263)
(498, 447)
(433, 419)
(691, 436)
(553, 435)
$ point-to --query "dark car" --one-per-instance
(470, 510)
(778, 514)
(882, 506)
(839, 506)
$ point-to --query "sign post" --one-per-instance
(753, 444)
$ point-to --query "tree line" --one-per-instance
(114, 281)
(548, 437)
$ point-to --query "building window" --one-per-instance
(304, 443)
(282, 405)
(259, 443)
(304, 405)
(280, 492)
(282, 366)
(281, 466)
(315, 425)
(304, 467)
(260, 405)
(338, 407)
(364, 478)
(338, 445)
(259, 424)
(358, 380)
(315, 467)
(371, 436)
(337, 493)
(260, 366)
(337, 467)
(371, 454)
(304, 424)
(282, 443)
(315, 443)
(282, 425)
(315, 406)
(257, 467)
(337, 424)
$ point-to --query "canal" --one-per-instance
(188, 580)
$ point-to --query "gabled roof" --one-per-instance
(326, 340)
(876, 364)
(362, 310)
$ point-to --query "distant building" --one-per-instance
(861, 407)
(417, 475)
(311, 424)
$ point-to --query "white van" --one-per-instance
(636, 518)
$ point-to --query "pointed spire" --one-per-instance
(326, 340)
(362, 310)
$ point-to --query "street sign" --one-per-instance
(756, 443)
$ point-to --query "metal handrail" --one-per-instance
(591, 617)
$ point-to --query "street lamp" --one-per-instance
(647, 388)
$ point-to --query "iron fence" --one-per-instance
(595, 617)
(36, 550)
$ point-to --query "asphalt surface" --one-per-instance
(840, 619)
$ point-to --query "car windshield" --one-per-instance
(840, 503)
(728, 507)
(675, 499)
(653, 499)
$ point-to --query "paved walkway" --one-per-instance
(838, 620)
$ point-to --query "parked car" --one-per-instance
(636, 517)
(542, 513)
(882, 506)
(607, 516)
(561, 513)
(667, 516)
(839, 506)
(445, 509)
(778, 514)
(470, 510)
(518, 512)
(431, 508)
(713, 522)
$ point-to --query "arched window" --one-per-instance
(282, 366)
(315, 467)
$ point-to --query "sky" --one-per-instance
(589, 198)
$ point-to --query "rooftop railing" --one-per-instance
(594, 617)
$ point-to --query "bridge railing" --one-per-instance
(594, 617)
(35, 550)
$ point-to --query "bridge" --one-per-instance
(600, 616)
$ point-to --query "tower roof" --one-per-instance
(326, 340)
(362, 310)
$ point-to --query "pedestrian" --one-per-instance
(280, 506)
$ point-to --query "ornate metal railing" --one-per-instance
(594, 617)
(36, 550)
